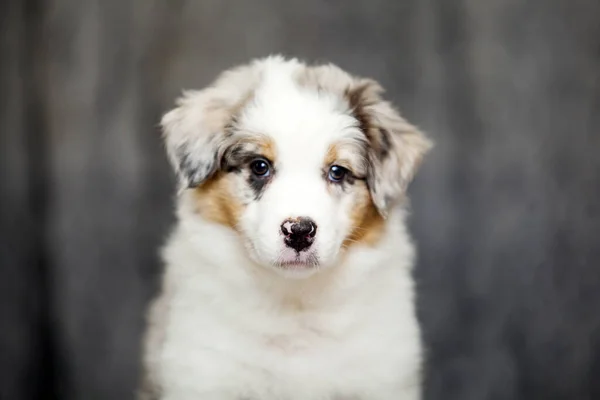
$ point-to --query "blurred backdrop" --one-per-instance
(506, 210)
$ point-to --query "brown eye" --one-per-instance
(260, 167)
(337, 173)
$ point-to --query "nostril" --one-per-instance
(286, 227)
(311, 228)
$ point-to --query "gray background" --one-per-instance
(505, 210)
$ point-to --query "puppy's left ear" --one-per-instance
(395, 147)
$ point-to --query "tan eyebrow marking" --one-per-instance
(349, 154)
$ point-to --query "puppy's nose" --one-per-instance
(299, 232)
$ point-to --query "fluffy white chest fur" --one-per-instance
(288, 276)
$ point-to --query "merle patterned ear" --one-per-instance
(396, 148)
(193, 133)
(197, 131)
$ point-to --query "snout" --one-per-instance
(299, 233)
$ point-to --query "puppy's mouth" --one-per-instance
(295, 260)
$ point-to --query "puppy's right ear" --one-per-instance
(198, 131)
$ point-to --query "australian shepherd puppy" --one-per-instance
(288, 275)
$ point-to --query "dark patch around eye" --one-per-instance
(256, 181)
(237, 159)
(237, 156)
(258, 184)
(349, 179)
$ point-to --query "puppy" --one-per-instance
(288, 275)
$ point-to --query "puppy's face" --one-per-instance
(302, 162)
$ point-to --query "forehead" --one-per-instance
(302, 122)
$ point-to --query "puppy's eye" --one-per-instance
(260, 167)
(337, 173)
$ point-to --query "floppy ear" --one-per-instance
(197, 131)
(395, 147)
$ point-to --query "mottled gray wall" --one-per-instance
(505, 210)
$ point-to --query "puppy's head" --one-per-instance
(301, 162)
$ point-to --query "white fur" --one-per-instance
(235, 327)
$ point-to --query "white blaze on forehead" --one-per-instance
(302, 122)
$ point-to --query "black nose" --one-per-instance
(299, 233)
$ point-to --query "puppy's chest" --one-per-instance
(282, 339)
(274, 356)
